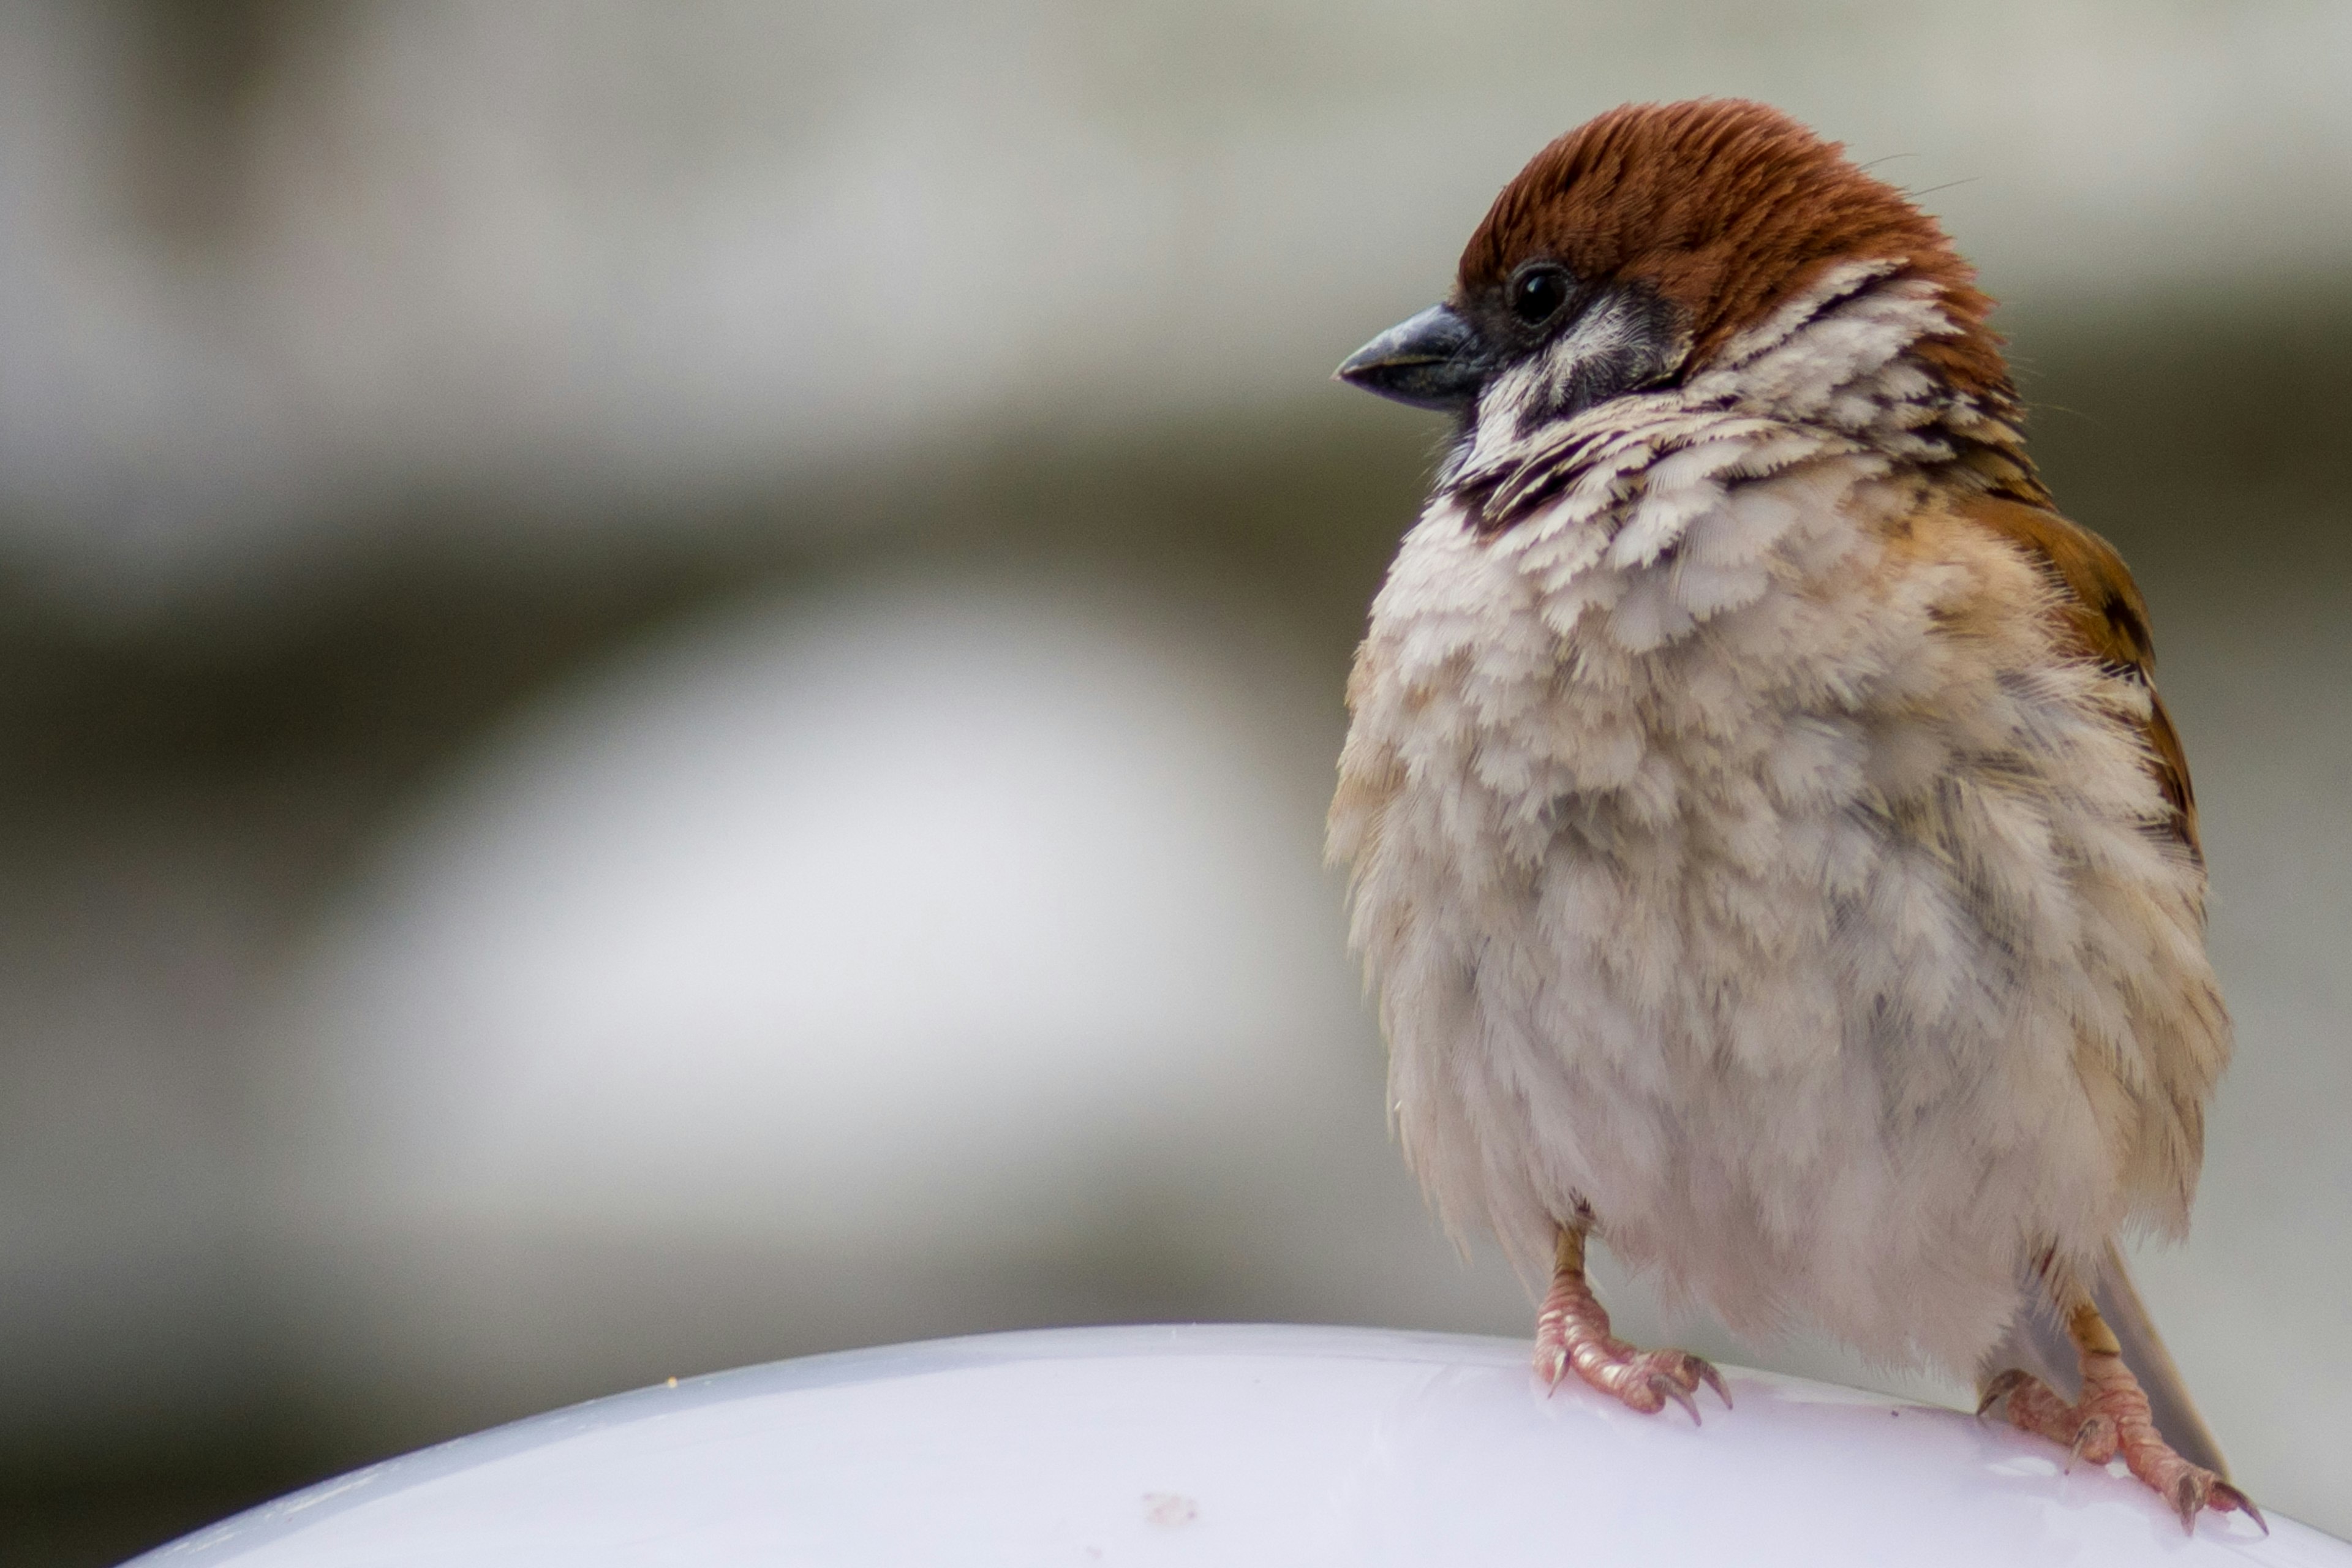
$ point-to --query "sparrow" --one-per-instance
(1767, 848)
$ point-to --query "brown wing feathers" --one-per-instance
(2108, 622)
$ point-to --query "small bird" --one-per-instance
(1768, 850)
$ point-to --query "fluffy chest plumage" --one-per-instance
(1736, 856)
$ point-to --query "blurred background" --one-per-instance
(668, 672)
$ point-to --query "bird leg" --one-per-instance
(2111, 1418)
(1572, 1332)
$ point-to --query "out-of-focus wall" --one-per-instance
(667, 673)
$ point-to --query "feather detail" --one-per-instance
(2106, 620)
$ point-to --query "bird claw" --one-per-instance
(1643, 1380)
(2001, 1388)
(1573, 1335)
(2111, 1418)
(1667, 1388)
(2225, 1497)
(1712, 1379)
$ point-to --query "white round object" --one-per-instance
(894, 919)
(1227, 1444)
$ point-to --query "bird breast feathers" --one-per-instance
(1750, 753)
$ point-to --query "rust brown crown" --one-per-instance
(1725, 208)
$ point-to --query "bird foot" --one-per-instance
(1572, 1334)
(2112, 1418)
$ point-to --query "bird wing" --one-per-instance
(2105, 620)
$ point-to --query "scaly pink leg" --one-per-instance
(2112, 1418)
(1572, 1332)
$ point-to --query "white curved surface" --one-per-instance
(1231, 1445)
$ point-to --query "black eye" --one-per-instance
(1538, 294)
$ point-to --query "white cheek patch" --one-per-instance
(1838, 282)
(1622, 341)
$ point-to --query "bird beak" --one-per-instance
(1434, 361)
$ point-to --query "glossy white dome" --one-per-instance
(1228, 1444)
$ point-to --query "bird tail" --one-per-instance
(2037, 1341)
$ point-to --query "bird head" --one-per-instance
(1634, 251)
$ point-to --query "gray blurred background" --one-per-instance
(670, 669)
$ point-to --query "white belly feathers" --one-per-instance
(1680, 901)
